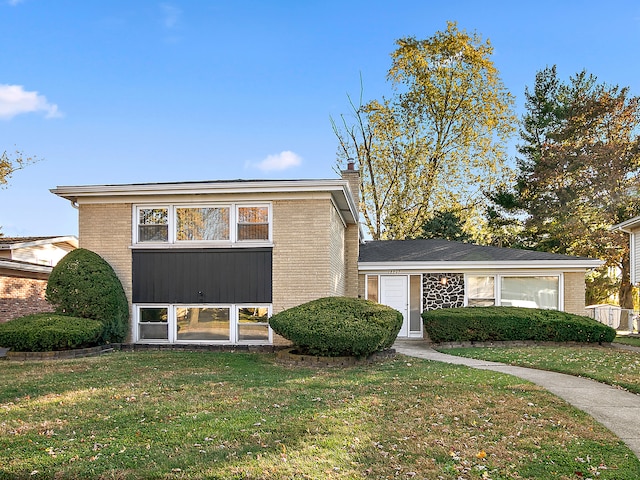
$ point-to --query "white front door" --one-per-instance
(394, 292)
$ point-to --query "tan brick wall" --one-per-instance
(337, 255)
(302, 239)
(574, 293)
(22, 296)
(106, 230)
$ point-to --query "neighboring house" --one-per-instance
(211, 261)
(632, 227)
(417, 275)
(25, 265)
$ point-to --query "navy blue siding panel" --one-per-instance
(241, 275)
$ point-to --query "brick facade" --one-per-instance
(21, 296)
(105, 229)
(304, 266)
(574, 293)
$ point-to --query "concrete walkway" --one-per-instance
(616, 409)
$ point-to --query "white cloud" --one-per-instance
(13, 3)
(14, 100)
(171, 15)
(281, 161)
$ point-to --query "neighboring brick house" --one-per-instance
(25, 265)
(211, 261)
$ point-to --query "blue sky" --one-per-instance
(151, 91)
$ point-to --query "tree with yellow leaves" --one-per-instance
(438, 142)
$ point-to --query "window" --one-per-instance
(253, 324)
(202, 323)
(153, 225)
(202, 223)
(253, 223)
(372, 288)
(153, 323)
(223, 224)
(481, 291)
(517, 291)
(533, 292)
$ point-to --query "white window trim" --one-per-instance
(172, 242)
(172, 319)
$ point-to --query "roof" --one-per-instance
(438, 253)
(11, 243)
(24, 266)
(339, 189)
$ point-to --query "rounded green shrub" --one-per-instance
(339, 326)
(486, 324)
(84, 285)
(44, 332)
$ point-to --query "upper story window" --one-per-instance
(253, 223)
(205, 223)
(210, 224)
(153, 224)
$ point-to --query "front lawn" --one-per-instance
(606, 365)
(212, 415)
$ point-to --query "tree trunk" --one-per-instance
(625, 294)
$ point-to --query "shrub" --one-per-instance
(84, 285)
(44, 332)
(481, 324)
(339, 326)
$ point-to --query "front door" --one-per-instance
(394, 292)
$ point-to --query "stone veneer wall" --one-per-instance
(435, 295)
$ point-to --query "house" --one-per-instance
(25, 265)
(417, 275)
(632, 227)
(211, 261)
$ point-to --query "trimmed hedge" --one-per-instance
(44, 332)
(84, 285)
(485, 324)
(339, 326)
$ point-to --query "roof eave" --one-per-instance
(628, 225)
(442, 266)
(338, 188)
(25, 267)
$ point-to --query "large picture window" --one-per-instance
(196, 323)
(530, 291)
(203, 224)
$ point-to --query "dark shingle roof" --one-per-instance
(12, 240)
(436, 250)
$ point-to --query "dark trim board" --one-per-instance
(203, 275)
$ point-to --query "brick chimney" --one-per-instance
(352, 176)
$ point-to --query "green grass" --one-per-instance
(628, 340)
(193, 415)
(606, 365)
